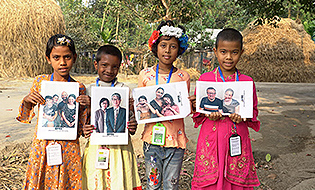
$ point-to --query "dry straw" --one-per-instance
(25, 28)
(282, 54)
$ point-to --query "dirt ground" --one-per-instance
(287, 114)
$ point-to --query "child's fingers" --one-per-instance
(84, 100)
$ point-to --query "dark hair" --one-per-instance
(48, 97)
(168, 23)
(116, 94)
(59, 40)
(170, 97)
(231, 35)
(229, 89)
(72, 95)
(102, 100)
(160, 88)
(142, 97)
(55, 95)
(210, 88)
(109, 50)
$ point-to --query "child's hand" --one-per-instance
(214, 116)
(87, 130)
(235, 118)
(84, 100)
(193, 102)
(132, 126)
(33, 98)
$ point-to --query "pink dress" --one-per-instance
(214, 167)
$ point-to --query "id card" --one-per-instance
(235, 145)
(102, 158)
(54, 156)
(158, 134)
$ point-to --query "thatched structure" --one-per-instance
(25, 28)
(282, 54)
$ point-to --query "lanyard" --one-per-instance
(236, 79)
(52, 77)
(222, 77)
(157, 75)
(98, 82)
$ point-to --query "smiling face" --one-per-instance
(142, 101)
(64, 96)
(211, 94)
(228, 54)
(55, 99)
(228, 95)
(116, 101)
(159, 93)
(62, 60)
(108, 67)
(167, 100)
(167, 50)
(104, 105)
(71, 100)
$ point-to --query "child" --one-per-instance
(61, 55)
(123, 172)
(144, 108)
(169, 107)
(163, 163)
(214, 166)
(50, 112)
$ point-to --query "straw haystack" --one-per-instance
(25, 28)
(282, 54)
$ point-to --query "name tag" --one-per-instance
(54, 156)
(158, 134)
(102, 159)
(235, 145)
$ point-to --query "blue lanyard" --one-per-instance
(52, 77)
(157, 75)
(98, 82)
(222, 77)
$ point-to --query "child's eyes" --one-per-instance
(56, 57)
(173, 47)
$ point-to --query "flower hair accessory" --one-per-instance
(169, 31)
(64, 41)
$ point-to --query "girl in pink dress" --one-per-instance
(215, 168)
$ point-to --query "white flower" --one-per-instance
(171, 31)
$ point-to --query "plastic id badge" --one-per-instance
(235, 145)
(158, 134)
(53, 153)
(102, 158)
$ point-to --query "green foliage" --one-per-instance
(310, 28)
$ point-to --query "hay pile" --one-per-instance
(282, 54)
(25, 28)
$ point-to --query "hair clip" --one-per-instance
(64, 41)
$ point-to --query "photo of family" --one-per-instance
(226, 98)
(60, 110)
(109, 115)
(162, 102)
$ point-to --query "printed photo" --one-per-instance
(225, 97)
(161, 102)
(58, 116)
(109, 115)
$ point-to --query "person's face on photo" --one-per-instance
(104, 105)
(211, 94)
(228, 95)
(167, 100)
(71, 100)
(55, 99)
(159, 93)
(64, 96)
(108, 67)
(142, 101)
(49, 102)
(116, 101)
